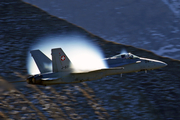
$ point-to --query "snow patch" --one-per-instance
(167, 49)
(173, 6)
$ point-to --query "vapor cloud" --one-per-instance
(84, 54)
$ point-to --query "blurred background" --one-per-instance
(152, 25)
(146, 28)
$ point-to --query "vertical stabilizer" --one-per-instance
(42, 61)
(60, 61)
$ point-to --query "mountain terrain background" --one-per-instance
(151, 25)
(149, 96)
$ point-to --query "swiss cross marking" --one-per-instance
(63, 58)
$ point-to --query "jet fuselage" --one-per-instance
(119, 64)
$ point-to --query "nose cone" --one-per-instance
(161, 64)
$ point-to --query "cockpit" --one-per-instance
(125, 56)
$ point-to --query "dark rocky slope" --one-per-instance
(152, 95)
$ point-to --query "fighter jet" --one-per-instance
(62, 72)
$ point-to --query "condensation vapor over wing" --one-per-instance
(83, 53)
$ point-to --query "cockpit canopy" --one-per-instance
(125, 56)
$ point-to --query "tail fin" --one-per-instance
(42, 61)
(60, 61)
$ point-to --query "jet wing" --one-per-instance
(108, 71)
(49, 79)
(121, 62)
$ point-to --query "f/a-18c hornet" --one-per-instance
(62, 73)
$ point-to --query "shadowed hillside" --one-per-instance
(153, 95)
